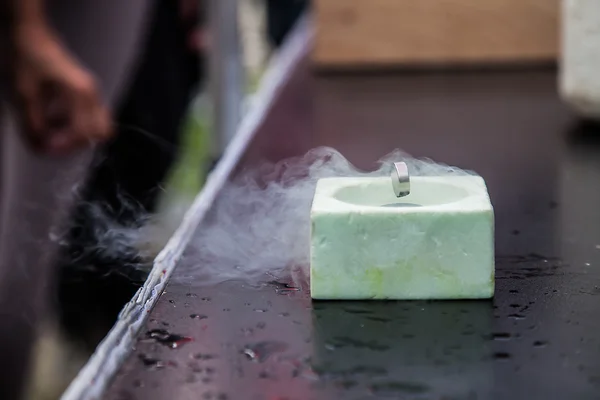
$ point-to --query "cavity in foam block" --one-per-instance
(435, 243)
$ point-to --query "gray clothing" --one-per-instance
(36, 192)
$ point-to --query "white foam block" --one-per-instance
(436, 243)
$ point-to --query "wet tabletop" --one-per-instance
(537, 339)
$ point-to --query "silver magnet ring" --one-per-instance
(400, 179)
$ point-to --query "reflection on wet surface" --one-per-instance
(273, 332)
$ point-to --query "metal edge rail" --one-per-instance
(95, 376)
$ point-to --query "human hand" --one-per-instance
(58, 106)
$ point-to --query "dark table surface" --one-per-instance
(538, 339)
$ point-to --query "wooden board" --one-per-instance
(434, 32)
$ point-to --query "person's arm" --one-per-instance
(15, 17)
(55, 98)
(24, 11)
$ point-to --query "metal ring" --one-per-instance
(400, 179)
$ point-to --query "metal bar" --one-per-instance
(226, 72)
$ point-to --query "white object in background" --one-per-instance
(435, 243)
(580, 58)
(226, 73)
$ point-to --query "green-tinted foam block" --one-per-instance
(436, 243)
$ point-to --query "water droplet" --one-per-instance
(346, 384)
(513, 291)
(516, 316)
(283, 287)
(206, 299)
(261, 351)
(173, 341)
(204, 356)
(342, 341)
(501, 355)
(260, 310)
(191, 295)
(393, 388)
(362, 371)
(264, 375)
(358, 310)
(514, 305)
(501, 336)
(198, 316)
(195, 367)
(540, 343)
(172, 301)
(284, 314)
(151, 362)
(379, 319)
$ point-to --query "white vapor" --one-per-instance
(260, 226)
